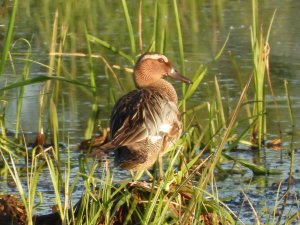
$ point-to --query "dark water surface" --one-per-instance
(204, 32)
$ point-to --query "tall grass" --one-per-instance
(27, 193)
(129, 27)
(91, 121)
(8, 37)
(2, 118)
(261, 51)
(25, 74)
(181, 56)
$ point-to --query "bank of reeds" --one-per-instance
(261, 51)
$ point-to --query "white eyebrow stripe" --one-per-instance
(155, 56)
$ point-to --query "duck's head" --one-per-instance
(151, 67)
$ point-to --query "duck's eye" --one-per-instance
(161, 60)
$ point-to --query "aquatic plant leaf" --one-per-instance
(41, 79)
(256, 169)
(110, 47)
(196, 81)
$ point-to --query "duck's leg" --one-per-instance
(140, 173)
(149, 174)
(160, 164)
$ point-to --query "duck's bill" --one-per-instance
(177, 76)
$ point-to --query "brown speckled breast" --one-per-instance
(136, 123)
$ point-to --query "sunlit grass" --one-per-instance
(27, 193)
(261, 51)
(8, 38)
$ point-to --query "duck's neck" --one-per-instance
(166, 88)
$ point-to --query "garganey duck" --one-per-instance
(146, 121)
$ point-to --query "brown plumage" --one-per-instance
(146, 121)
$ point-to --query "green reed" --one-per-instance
(158, 202)
(27, 192)
(2, 118)
(159, 28)
(219, 105)
(218, 153)
(51, 87)
(4, 56)
(91, 121)
(260, 50)
(288, 98)
(25, 75)
(238, 76)
(8, 37)
(129, 27)
(289, 189)
(56, 178)
(181, 55)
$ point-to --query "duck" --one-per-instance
(145, 122)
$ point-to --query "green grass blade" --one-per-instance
(218, 152)
(129, 27)
(256, 169)
(43, 78)
(26, 71)
(111, 48)
(91, 121)
(179, 37)
(196, 81)
(181, 55)
(220, 108)
(222, 49)
(8, 37)
(289, 103)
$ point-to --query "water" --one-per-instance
(204, 32)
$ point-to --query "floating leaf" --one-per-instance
(275, 144)
(256, 169)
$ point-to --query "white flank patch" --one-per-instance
(154, 138)
(165, 128)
